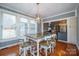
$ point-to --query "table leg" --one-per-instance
(37, 48)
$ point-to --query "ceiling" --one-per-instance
(45, 9)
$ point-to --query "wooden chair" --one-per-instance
(53, 43)
(33, 48)
(24, 47)
(46, 45)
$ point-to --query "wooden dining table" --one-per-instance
(38, 40)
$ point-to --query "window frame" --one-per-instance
(11, 28)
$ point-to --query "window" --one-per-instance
(23, 26)
(32, 27)
(9, 22)
(9, 28)
(27, 27)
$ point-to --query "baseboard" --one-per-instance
(63, 41)
(66, 42)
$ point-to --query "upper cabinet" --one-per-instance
(45, 27)
(58, 26)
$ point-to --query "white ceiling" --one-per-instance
(46, 9)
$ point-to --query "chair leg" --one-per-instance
(30, 49)
(24, 52)
(46, 51)
(50, 50)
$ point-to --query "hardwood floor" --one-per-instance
(65, 49)
(61, 49)
(14, 50)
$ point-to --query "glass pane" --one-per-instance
(9, 34)
(9, 22)
(32, 27)
(22, 29)
(23, 26)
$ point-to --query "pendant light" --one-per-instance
(38, 18)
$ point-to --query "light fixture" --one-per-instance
(38, 18)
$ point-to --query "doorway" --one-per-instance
(57, 27)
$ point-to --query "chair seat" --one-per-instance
(45, 47)
(26, 44)
(53, 43)
(44, 43)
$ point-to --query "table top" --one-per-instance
(40, 37)
(36, 39)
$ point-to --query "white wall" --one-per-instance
(72, 30)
